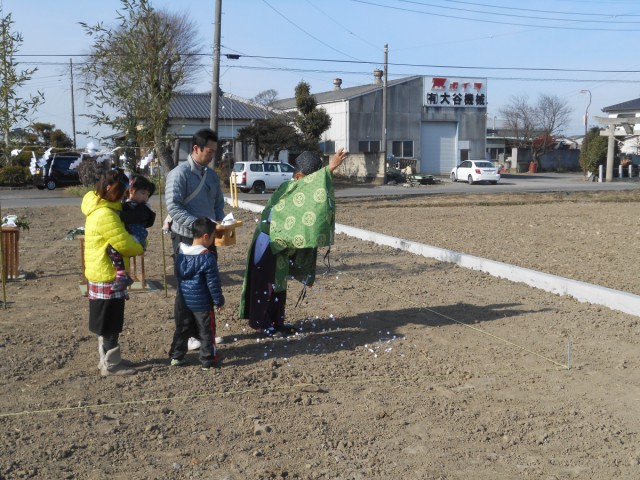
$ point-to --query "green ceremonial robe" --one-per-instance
(298, 218)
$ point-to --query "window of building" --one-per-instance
(402, 149)
(369, 146)
(328, 147)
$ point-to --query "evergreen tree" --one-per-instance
(312, 121)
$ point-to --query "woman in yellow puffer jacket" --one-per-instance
(103, 227)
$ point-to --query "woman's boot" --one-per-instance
(112, 363)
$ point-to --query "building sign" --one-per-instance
(455, 92)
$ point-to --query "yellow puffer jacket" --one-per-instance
(104, 227)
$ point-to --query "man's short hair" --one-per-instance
(202, 137)
(203, 225)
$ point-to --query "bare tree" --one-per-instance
(552, 115)
(136, 68)
(266, 98)
(519, 119)
(535, 126)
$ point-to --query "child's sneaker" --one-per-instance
(176, 362)
(206, 368)
(121, 282)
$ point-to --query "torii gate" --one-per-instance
(612, 123)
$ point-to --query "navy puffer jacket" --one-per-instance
(198, 278)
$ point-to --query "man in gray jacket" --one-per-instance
(192, 191)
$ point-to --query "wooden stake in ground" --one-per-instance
(3, 273)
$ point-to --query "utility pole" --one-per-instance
(213, 121)
(73, 106)
(384, 115)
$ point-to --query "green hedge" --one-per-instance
(15, 176)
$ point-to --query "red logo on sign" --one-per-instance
(438, 83)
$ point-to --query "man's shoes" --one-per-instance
(177, 362)
(283, 330)
(270, 332)
(193, 344)
(219, 340)
(286, 329)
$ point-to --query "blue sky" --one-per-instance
(527, 47)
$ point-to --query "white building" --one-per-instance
(435, 121)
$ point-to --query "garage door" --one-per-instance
(438, 141)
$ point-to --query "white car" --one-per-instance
(473, 171)
(261, 176)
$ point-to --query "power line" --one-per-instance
(424, 65)
(555, 27)
(392, 64)
(306, 32)
(542, 11)
(404, 75)
(347, 29)
(532, 17)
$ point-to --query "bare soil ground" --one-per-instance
(405, 367)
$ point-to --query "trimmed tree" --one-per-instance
(312, 121)
(270, 136)
(595, 153)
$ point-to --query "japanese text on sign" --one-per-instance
(455, 92)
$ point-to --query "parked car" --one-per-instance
(473, 171)
(57, 172)
(261, 176)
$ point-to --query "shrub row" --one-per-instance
(15, 176)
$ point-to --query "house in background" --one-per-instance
(189, 112)
(434, 121)
(627, 135)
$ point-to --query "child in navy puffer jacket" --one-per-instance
(199, 282)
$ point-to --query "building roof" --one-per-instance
(198, 106)
(340, 94)
(629, 105)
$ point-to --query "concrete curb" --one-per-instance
(581, 291)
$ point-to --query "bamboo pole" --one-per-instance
(164, 256)
(3, 272)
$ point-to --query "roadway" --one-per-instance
(542, 182)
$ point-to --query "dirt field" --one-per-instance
(406, 367)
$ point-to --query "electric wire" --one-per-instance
(520, 9)
(306, 32)
(498, 22)
(607, 19)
